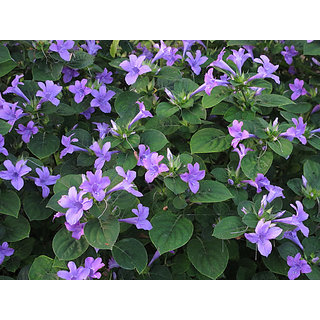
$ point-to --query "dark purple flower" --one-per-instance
(15, 89)
(239, 58)
(11, 113)
(69, 148)
(68, 74)
(93, 265)
(241, 152)
(193, 176)
(221, 64)
(143, 154)
(292, 70)
(103, 154)
(151, 163)
(157, 256)
(75, 273)
(80, 90)
(112, 264)
(27, 131)
(5, 251)
(274, 192)
(49, 92)
(77, 229)
(296, 132)
(145, 51)
(102, 128)
(3, 150)
(260, 182)
(140, 221)
(143, 113)
(297, 88)
(91, 47)
(62, 48)
(15, 173)
(297, 266)
(187, 44)
(236, 132)
(196, 62)
(44, 180)
(101, 99)
(75, 204)
(264, 232)
(105, 77)
(292, 235)
(87, 113)
(289, 53)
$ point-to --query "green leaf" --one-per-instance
(43, 145)
(311, 49)
(211, 191)
(130, 254)
(67, 248)
(66, 182)
(35, 206)
(315, 142)
(4, 127)
(170, 231)
(42, 269)
(114, 47)
(209, 140)
(287, 248)
(42, 71)
(295, 185)
(126, 104)
(16, 229)
(315, 274)
(194, 115)
(229, 227)
(81, 60)
(176, 185)
(165, 109)
(184, 85)
(9, 203)
(254, 163)
(169, 73)
(273, 100)
(217, 95)
(275, 264)
(210, 258)
(311, 246)
(155, 139)
(282, 147)
(6, 62)
(84, 137)
(311, 171)
(298, 107)
(102, 234)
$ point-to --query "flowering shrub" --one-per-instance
(159, 160)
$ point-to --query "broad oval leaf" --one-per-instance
(43, 145)
(229, 227)
(16, 229)
(254, 163)
(9, 203)
(43, 268)
(155, 139)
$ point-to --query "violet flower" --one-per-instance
(93, 265)
(11, 113)
(260, 182)
(145, 51)
(292, 235)
(187, 44)
(171, 56)
(44, 180)
(162, 51)
(143, 154)
(236, 132)
(151, 163)
(221, 64)
(143, 113)
(157, 256)
(68, 74)
(5, 251)
(193, 176)
(15, 173)
(264, 232)
(87, 113)
(103, 129)
(3, 150)
(196, 62)
(75, 204)
(62, 48)
(250, 51)
(134, 68)
(77, 229)
(49, 92)
(103, 154)
(140, 221)
(297, 88)
(289, 53)
(101, 99)
(297, 266)
(112, 264)
(239, 58)
(274, 192)
(296, 132)
(15, 89)
(80, 90)
(105, 77)
(91, 47)
(241, 152)
(27, 131)
(69, 148)
(75, 273)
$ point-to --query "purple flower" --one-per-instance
(250, 51)
(91, 47)
(297, 88)
(143, 154)
(196, 62)
(140, 221)
(187, 44)
(292, 235)
(260, 182)
(193, 176)
(114, 130)
(80, 90)
(105, 77)
(239, 58)
(241, 152)
(68, 74)
(27, 131)
(77, 229)
(296, 132)
(151, 163)
(297, 266)
(145, 51)
(157, 256)
(171, 56)
(3, 150)
(103, 129)
(266, 70)
(143, 113)
(101, 99)
(93, 265)
(75, 273)
(44, 180)
(289, 53)
(315, 109)
(15, 173)
(75, 204)
(87, 113)
(5, 251)
(95, 184)
(15, 89)
(69, 148)
(235, 131)
(62, 48)
(304, 181)
(103, 154)
(126, 184)
(112, 264)
(221, 64)
(274, 192)
(264, 232)
(11, 113)
(297, 219)
(162, 51)
(49, 92)
(292, 70)
(134, 68)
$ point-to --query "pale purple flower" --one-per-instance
(151, 163)
(15, 89)
(27, 131)
(93, 265)
(75, 273)
(274, 192)
(297, 88)
(264, 232)
(75, 204)
(103, 154)
(250, 51)
(134, 68)
(289, 53)
(239, 58)
(221, 64)
(241, 152)
(196, 62)
(80, 90)
(105, 77)
(91, 47)
(143, 113)
(69, 148)
(44, 180)
(297, 266)
(49, 92)
(296, 132)
(15, 173)
(145, 51)
(187, 44)
(62, 48)
(87, 113)
(114, 129)
(193, 176)
(140, 221)
(260, 182)
(162, 51)
(292, 235)
(11, 113)
(101, 99)
(315, 109)
(126, 183)
(68, 74)
(112, 264)
(236, 132)
(143, 154)
(5, 251)
(77, 229)
(297, 219)
(58, 215)
(304, 181)
(315, 61)
(3, 150)
(103, 129)
(96, 184)
(157, 256)
(171, 56)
